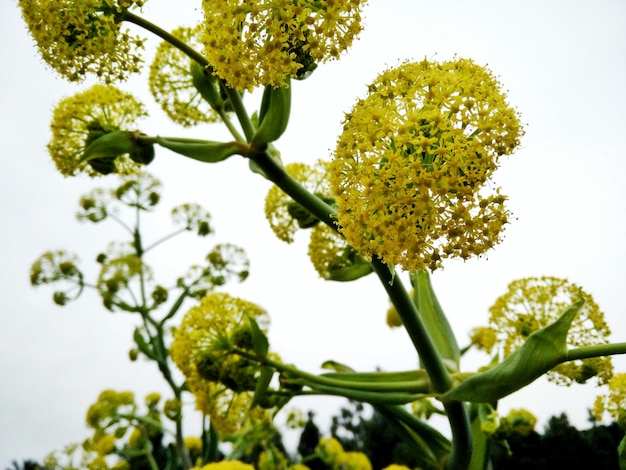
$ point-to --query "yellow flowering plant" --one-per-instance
(409, 186)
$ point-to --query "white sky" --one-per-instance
(564, 65)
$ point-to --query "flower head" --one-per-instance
(58, 267)
(484, 338)
(329, 449)
(226, 465)
(614, 402)
(119, 276)
(79, 37)
(522, 421)
(534, 303)
(108, 409)
(171, 82)
(263, 42)
(410, 169)
(79, 120)
(353, 461)
(221, 382)
(333, 258)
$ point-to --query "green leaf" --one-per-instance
(142, 344)
(262, 384)
(337, 366)
(435, 319)
(273, 115)
(110, 144)
(260, 344)
(206, 84)
(431, 446)
(621, 454)
(360, 268)
(481, 444)
(203, 150)
(544, 349)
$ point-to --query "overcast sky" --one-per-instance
(564, 66)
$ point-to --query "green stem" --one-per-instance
(211, 439)
(177, 304)
(459, 422)
(180, 444)
(373, 398)
(413, 387)
(240, 111)
(164, 239)
(588, 352)
(229, 124)
(460, 426)
(279, 176)
(415, 327)
(152, 461)
(173, 40)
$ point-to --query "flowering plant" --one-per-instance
(408, 186)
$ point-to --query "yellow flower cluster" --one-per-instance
(329, 251)
(171, 82)
(83, 457)
(117, 278)
(332, 453)
(80, 119)
(225, 465)
(534, 303)
(518, 421)
(411, 168)
(107, 408)
(484, 338)
(614, 403)
(202, 333)
(522, 421)
(262, 42)
(79, 37)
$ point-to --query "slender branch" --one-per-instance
(177, 304)
(164, 239)
(173, 40)
(242, 115)
(180, 444)
(229, 124)
(121, 222)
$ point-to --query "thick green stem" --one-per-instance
(414, 326)
(278, 175)
(442, 381)
(597, 350)
(343, 386)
